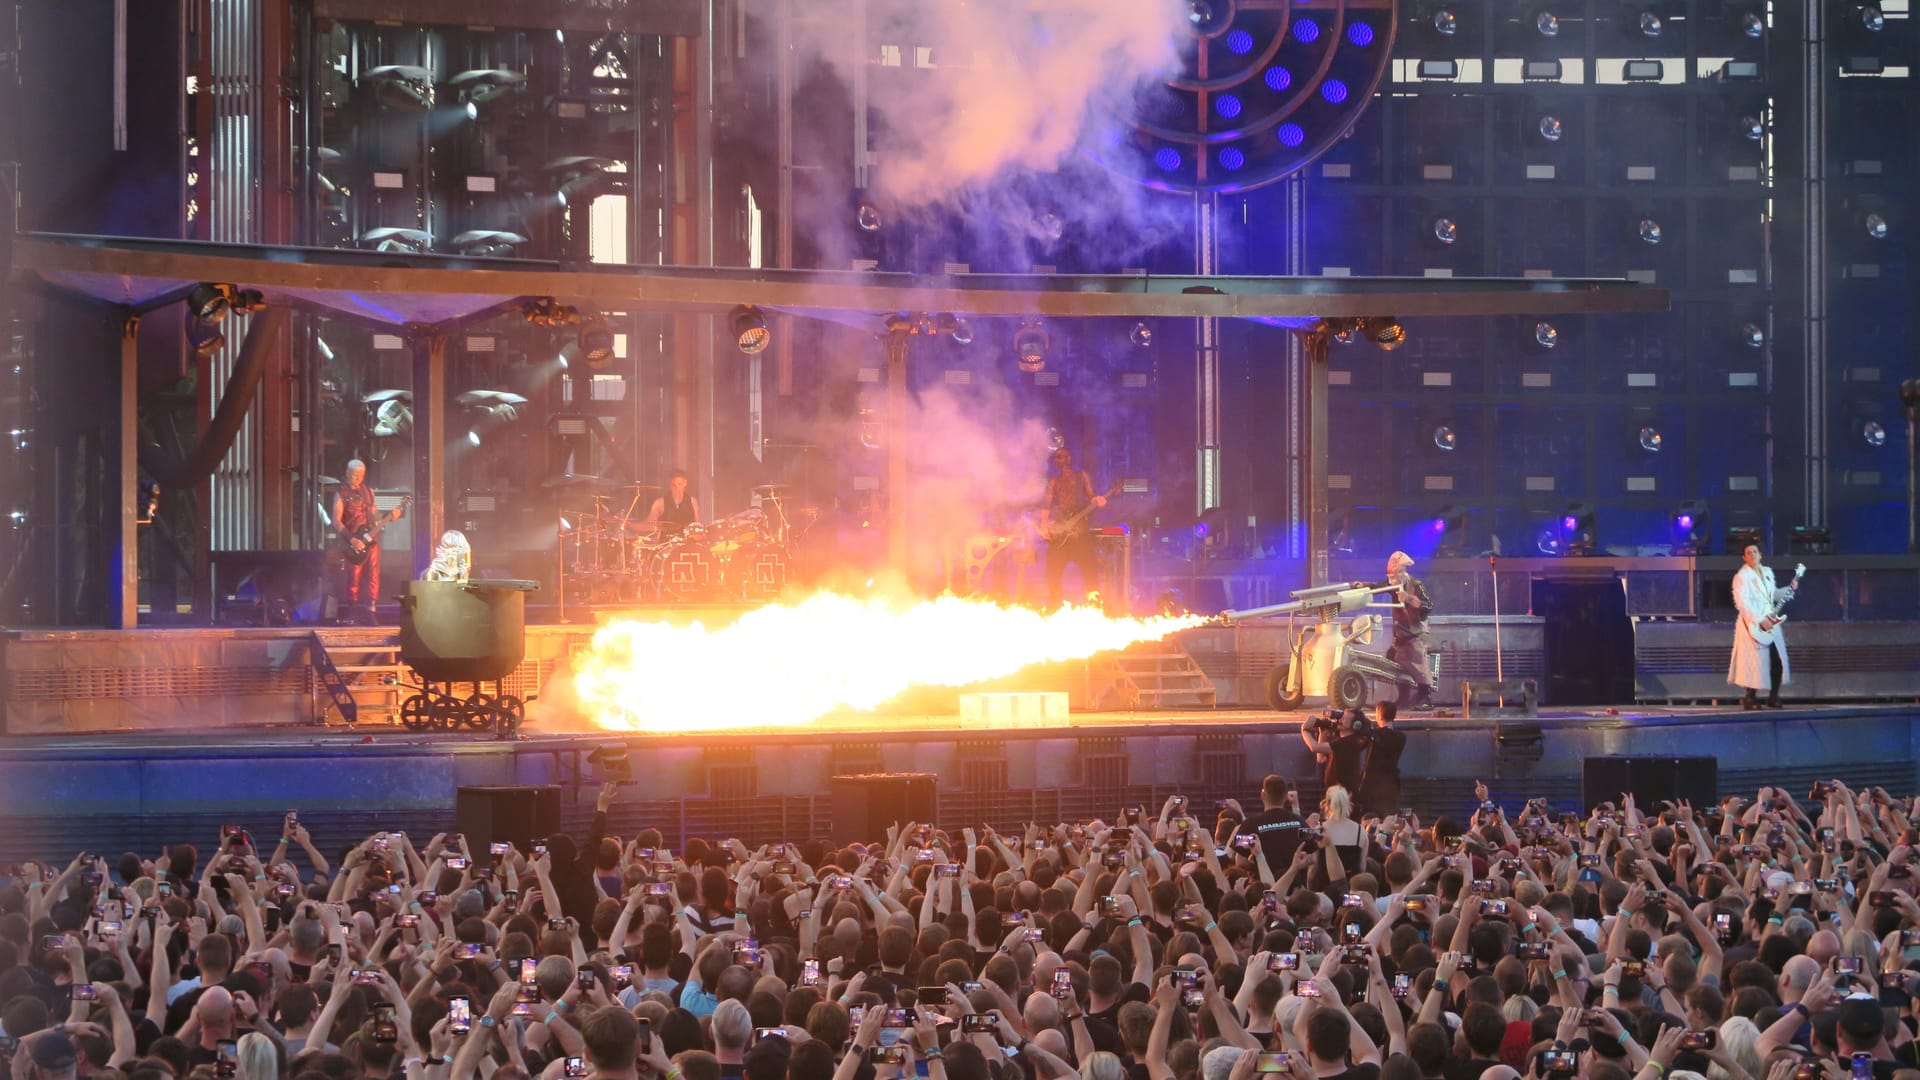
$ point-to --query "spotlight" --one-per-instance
(1445, 230)
(1446, 22)
(1875, 225)
(1871, 18)
(1546, 335)
(1651, 440)
(487, 243)
(1650, 24)
(1753, 336)
(596, 344)
(1547, 23)
(1050, 228)
(486, 85)
(247, 301)
(546, 311)
(389, 413)
(1384, 331)
(210, 303)
(1649, 230)
(955, 327)
(1753, 25)
(1690, 528)
(1346, 332)
(473, 437)
(1030, 344)
(1873, 434)
(1056, 439)
(1445, 439)
(401, 86)
(1551, 128)
(578, 178)
(1752, 128)
(1451, 524)
(1578, 530)
(497, 405)
(749, 329)
(1141, 335)
(398, 241)
(204, 339)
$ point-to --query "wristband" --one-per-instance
(410, 1063)
(673, 1072)
(931, 1054)
(1561, 974)
(435, 1061)
(1208, 929)
(1614, 990)
(1801, 1008)
(1656, 1067)
(552, 1015)
(1135, 921)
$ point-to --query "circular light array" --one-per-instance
(1261, 91)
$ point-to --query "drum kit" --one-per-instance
(613, 554)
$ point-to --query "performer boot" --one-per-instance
(1773, 700)
(1749, 703)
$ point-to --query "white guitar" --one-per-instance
(1780, 609)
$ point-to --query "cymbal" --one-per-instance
(570, 480)
(329, 480)
(772, 489)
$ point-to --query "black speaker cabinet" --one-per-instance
(1650, 779)
(517, 815)
(865, 805)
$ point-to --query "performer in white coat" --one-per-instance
(1759, 642)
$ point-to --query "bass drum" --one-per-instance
(757, 572)
(682, 572)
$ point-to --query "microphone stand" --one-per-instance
(1499, 663)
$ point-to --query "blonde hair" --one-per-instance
(1102, 1065)
(1520, 1008)
(1337, 803)
(259, 1059)
(1738, 1039)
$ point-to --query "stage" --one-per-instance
(111, 792)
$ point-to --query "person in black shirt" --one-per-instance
(1277, 824)
(1380, 779)
(1340, 742)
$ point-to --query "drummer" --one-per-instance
(676, 509)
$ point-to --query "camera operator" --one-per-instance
(1339, 740)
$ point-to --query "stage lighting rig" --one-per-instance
(1579, 530)
(1030, 344)
(487, 243)
(577, 178)
(204, 339)
(389, 413)
(749, 329)
(1141, 335)
(484, 85)
(1691, 527)
(210, 304)
(394, 241)
(546, 311)
(401, 86)
(1445, 438)
(596, 343)
(1545, 334)
(1651, 440)
(1451, 524)
(955, 327)
(1384, 331)
(1873, 433)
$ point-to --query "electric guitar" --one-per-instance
(1057, 531)
(361, 544)
(1779, 614)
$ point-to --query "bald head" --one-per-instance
(1796, 975)
(1053, 1041)
(1041, 1012)
(1823, 946)
(215, 1011)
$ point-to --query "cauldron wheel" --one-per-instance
(477, 712)
(416, 714)
(512, 711)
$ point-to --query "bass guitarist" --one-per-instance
(1071, 500)
(358, 521)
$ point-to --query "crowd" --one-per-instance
(1760, 939)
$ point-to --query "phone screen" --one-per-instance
(460, 1015)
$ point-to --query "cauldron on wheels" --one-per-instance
(470, 632)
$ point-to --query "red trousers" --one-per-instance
(361, 583)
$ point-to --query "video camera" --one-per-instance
(1332, 720)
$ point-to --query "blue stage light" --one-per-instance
(1360, 34)
(1292, 134)
(1227, 106)
(1167, 158)
(1306, 31)
(1231, 158)
(1334, 91)
(1278, 79)
(1239, 42)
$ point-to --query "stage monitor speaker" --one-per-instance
(1650, 780)
(864, 806)
(514, 814)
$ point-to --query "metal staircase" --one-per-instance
(365, 667)
(1151, 675)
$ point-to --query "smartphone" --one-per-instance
(1700, 1039)
(622, 975)
(1722, 926)
(1352, 899)
(366, 976)
(842, 882)
(456, 862)
(1883, 898)
(898, 1018)
(1534, 950)
(1562, 1062)
(1271, 1061)
(499, 848)
(1193, 997)
(53, 943)
(587, 979)
(336, 953)
(428, 898)
(529, 972)
(1186, 976)
(1416, 903)
(469, 950)
(934, 996)
(746, 956)
(226, 1061)
(540, 846)
(890, 1055)
(575, 1068)
(409, 921)
(1633, 969)
(1308, 988)
(1587, 862)
(1493, 907)
(1285, 961)
(1863, 1067)
(1244, 842)
(385, 1028)
(1033, 933)
(768, 1032)
(110, 928)
(82, 992)
(558, 924)
(459, 1016)
(979, 1024)
(1910, 939)
(646, 1034)
(1402, 984)
(1847, 965)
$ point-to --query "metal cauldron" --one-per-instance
(470, 631)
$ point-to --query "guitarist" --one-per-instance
(354, 510)
(1070, 502)
(1759, 639)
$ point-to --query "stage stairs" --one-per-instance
(1151, 675)
(369, 671)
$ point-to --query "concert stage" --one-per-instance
(111, 792)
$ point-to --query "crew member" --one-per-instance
(358, 520)
(1380, 778)
(1409, 648)
(1070, 502)
(1340, 744)
(676, 509)
(1759, 643)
